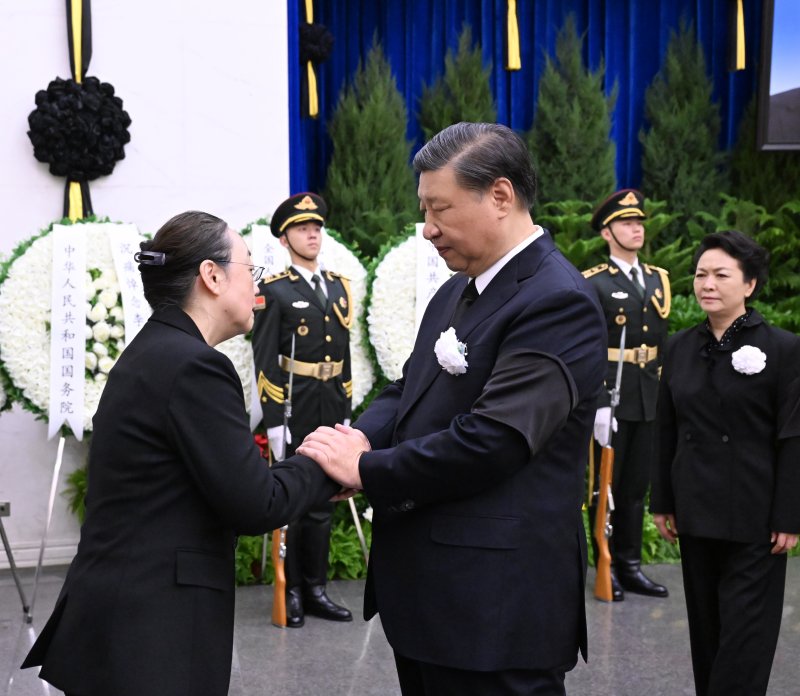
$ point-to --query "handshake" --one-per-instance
(337, 450)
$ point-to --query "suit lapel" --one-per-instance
(425, 368)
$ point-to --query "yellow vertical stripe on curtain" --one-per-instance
(76, 9)
(740, 35)
(313, 100)
(513, 61)
(75, 211)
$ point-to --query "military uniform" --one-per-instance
(290, 312)
(322, 384)
(644, 314)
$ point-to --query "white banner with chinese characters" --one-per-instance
(124, 240)
(67, 331)
(431, 273)
(267, 250)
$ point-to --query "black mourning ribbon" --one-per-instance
(468, 296)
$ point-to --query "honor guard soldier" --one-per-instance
(301, 337)
(637, 296)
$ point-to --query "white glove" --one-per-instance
(601, 419)
(276, 443)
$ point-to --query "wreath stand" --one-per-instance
(50, 503)
(5, 511)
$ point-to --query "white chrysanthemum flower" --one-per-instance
(89, 334)
(391, 318)
(99, 349)
(98, 312)
(116, 313)
(749, 360)
(105, 364)
(91, 361)
(117, 331)
(109, 298)
(100, 377)
(101, 331)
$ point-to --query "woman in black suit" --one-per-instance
(174, 475)
(728, 473)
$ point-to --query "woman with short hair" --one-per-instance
(728, 475)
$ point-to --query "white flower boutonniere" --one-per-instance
(451, 353)
(749, 360)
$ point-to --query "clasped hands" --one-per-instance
(337, 451)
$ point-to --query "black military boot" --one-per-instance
(317, 603)
(627, 553)
(314, 562)
(294, 608)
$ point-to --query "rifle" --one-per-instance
(605, 501)
(279, 535)
(279, 563)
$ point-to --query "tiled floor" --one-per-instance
(639, 646)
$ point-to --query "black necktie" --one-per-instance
(468, 296)
(318, 290)
(636, 283)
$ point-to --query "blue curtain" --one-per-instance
(630, 35)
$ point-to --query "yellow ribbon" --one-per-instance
(739, 36)
(75, 197)
(313, 100)
(76, 8)
(512, 29)
(75, 210)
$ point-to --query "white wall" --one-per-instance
(205, 84)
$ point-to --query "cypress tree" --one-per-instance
(570, 135)
(370, 188)
(681, 162)
(767, 177)
(462, 93)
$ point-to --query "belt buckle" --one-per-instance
(640, 354)
(324, 371)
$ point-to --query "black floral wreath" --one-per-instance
(316, 43)
(79, 128)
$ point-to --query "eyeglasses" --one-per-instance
(256, 271)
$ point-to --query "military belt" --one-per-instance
(319, 370)
(641, 355)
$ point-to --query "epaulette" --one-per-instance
(333, 274)
(277, 276)
(594, 271)
(656, 269)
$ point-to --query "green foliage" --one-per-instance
(569, 137)
(462, 93)
(370, 189)
(568, 223)
(345, 558)
(681, 162)
(75, 492)
(768, 177)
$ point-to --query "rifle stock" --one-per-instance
(602, 528)
(279, 591)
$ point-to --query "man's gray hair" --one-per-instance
(480, 153)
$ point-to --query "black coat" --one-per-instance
(322, 334)
(729, 461)
(476, 479)
(646, 323)
(174, 475)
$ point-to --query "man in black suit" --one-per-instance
(312, 310)
(472, 460)
(635, 296)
